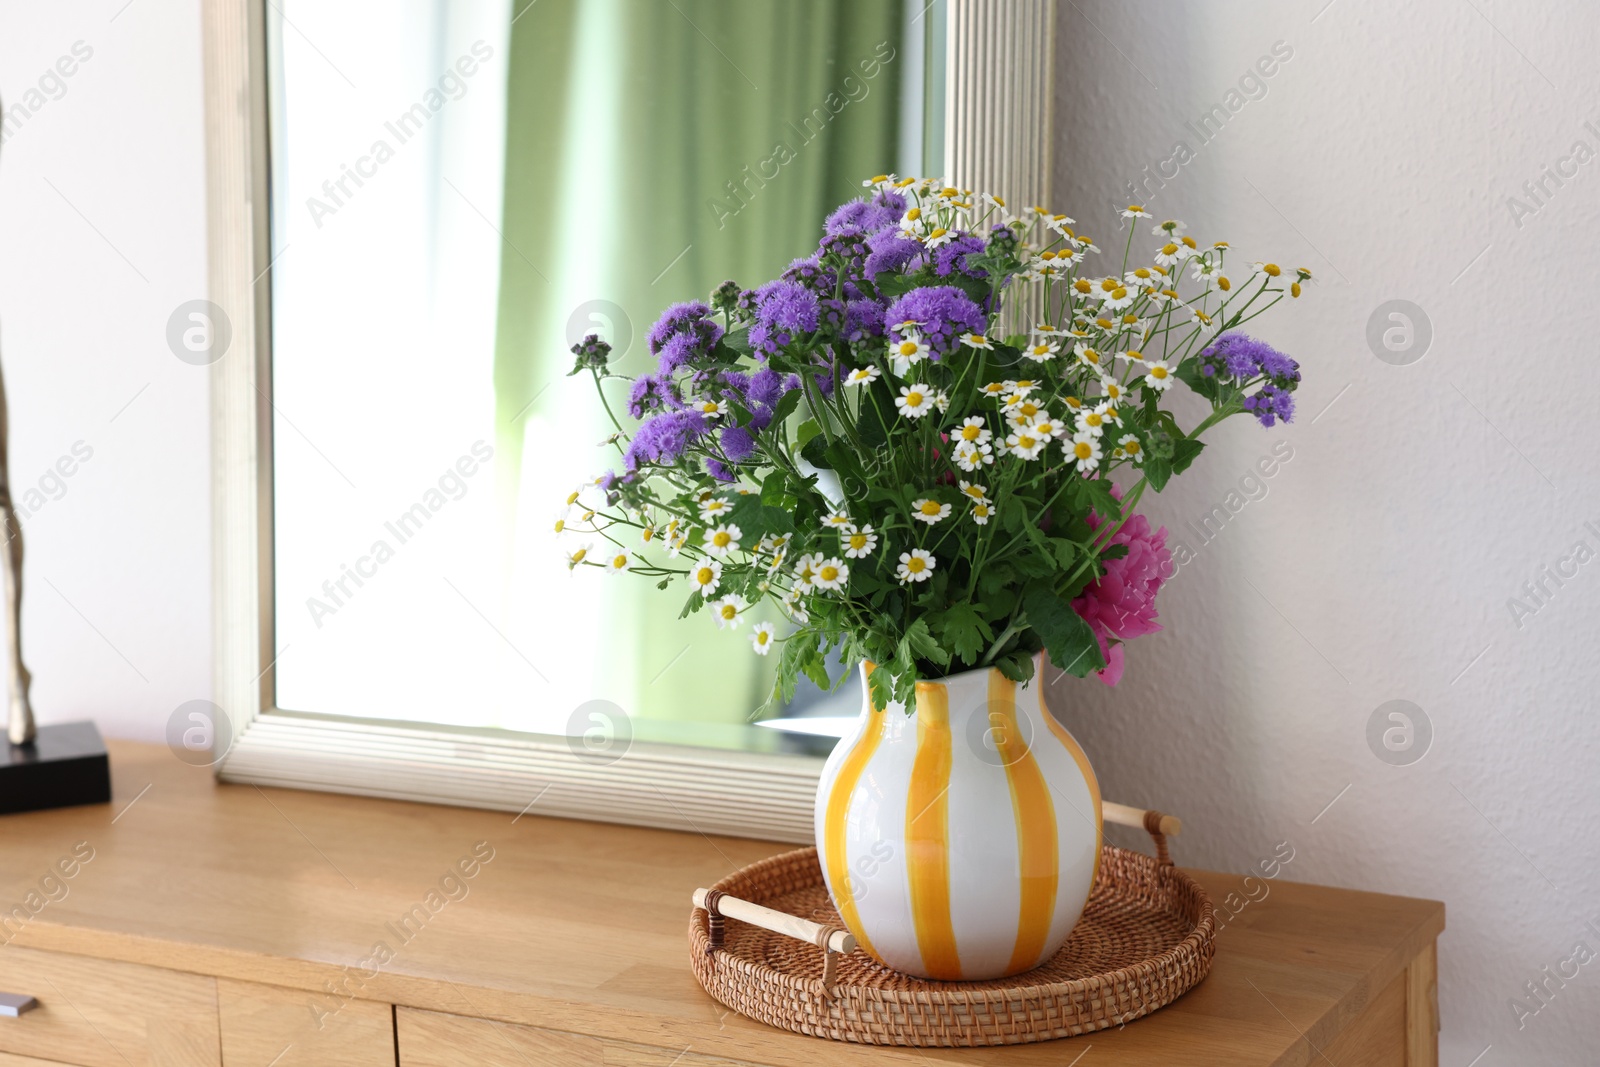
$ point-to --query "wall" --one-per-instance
(1377, 564)
(102, 208)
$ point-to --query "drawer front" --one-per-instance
(99, 1013)
(432, 1039)
(264, 1024)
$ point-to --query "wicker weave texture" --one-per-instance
(1145, 939)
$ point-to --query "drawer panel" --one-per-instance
(432, 1039)
(264, 1024)
(100, 1013)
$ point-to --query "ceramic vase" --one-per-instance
(959, 838)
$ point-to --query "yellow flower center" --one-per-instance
(1135, 207)
(1223, 283)
(1169, 249)
(704, 575)
(938, 232)
(829, 574)
(1188, 242)
(858, 541)
(1083, 449)
(1028, 409)
(1141, 273)
(1026, 442)
(913, 399)
(1082, 286)
(914, 214)
(1158, 373)
(1093, 419)
(971, 433)
(1272, 270)
(1131, 447)
(916, 565)
(761, 638)
(1072, 402)
(729, 611)
(721, 538)
(1109, 284)
(1041, 350)
(577, 557)
(573, 499)
(1119, 293)
(619, 561)
(908, 348)
(931, 507)
(561, 524)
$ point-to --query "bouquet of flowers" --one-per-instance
(853, 442)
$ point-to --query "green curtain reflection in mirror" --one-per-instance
(654, 149)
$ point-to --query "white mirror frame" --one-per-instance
(998, 91)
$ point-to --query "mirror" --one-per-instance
(459, 192)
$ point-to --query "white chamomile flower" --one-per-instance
(914, 401)
(929, 510)
(1143, 278)
(832, 573)
(1171, 253)
(1115, 294)
(723, 540)
(941, 400)
(836, 520)
(1092, 422)
(711, 409)
(1042, 349)
(981, 512)
(1025, 444)
(772, 543)
(711, 507)
(1169, 229)
(990, 200)
(705, 576)
(939, 236)
(1112, 389)
(996, 389)
(862, 376)
(881, 181)
(859, 543)
(911, 222)
(973, 429)
(972, 489)
(761, 638)
(1135, 211)
(805, 572)
(1089, 357)
(1059, 224)
(1129, 446)
(1205, 269)
(578, 555)
(777, 561)
(618, 563)
(915, 566)
(1023, 410)
(1158, 376)
(1085, 449)
(675, 544)
(1108, 412)
(791, 604)
(907, 352)
(726, 611)
(974, 455)
(977, 340)
(1046, 428)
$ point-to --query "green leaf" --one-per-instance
(964, 631)
(738, 340)
(893, 285)
(922, 645)
(815, 452)
(1185, 452)
(808, 429)
(1068, 640)
(881, 687)
(1017, 666)
(1157, 471)
(785, 406)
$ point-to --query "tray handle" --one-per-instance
(833, 941)
(1158, 825)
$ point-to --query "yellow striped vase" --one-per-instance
(959, 841)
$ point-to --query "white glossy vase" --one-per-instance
(959, 842)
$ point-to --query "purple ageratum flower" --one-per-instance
(766, 387)
(952, 256)
(867, 215)
(652, 393)
(1242, 357)
(664, 439)
(863, 320)
(887, 251)
(719, 470)
(943, 315)
(784, 310)
(1269, 404)
(738, 443)
(684, 332)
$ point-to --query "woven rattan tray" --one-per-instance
(1145, 939)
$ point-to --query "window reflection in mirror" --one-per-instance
(461, 189)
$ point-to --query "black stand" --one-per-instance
(66, 765)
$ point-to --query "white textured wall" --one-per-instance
(102, 235)
(1379, 564)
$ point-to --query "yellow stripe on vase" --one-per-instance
(1071, 745)
(928, 834)
(836, 822)
(1038, 856)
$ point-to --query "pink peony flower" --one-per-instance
(1121, 605)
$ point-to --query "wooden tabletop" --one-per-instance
(581, 926)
